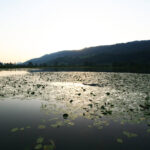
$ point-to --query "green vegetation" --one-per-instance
(129, 135)
(21, 129)
(38, 146)
(14, 129)
(124, 57)
(148, 130)
(40, 140)
(104, 98)
(119, 140)
(113, 67)
(41, 126)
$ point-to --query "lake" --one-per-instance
(74, 110)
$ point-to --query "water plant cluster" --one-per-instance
(100, 97)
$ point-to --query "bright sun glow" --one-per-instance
(31, 29)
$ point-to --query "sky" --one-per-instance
(32, 28)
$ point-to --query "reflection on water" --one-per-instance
(29, 124)
(75, 110)
(12, 72)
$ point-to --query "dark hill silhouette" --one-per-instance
(137, 52)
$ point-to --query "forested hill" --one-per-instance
(137, 52)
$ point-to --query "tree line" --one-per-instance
(113, 67)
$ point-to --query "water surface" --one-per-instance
(75, 110)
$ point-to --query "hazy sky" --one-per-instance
(31, 28)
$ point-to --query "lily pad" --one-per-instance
(51, 146)
(14, 129)
(70, 123)
(65, 116)
(48, 147)
(41, 126)
(52, 119)
(89, 126)
(119, 140)
(57, 124)
(21, 129)
(40, 140)
(38, 146)
(129, 135)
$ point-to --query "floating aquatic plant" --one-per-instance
(40, 140)
(53, 119)
(119, 140)
(89, 126)
(108, 95)
(22, 129)
(65, 116)
(129, 135)
(50, 146)
(38, 146)
(71, 123)
(71, 101)
(41, 126)
(14, 129)
(57, 124)
(68, 123)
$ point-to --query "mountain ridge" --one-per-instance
(130, 52)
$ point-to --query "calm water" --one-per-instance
(74, 110)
